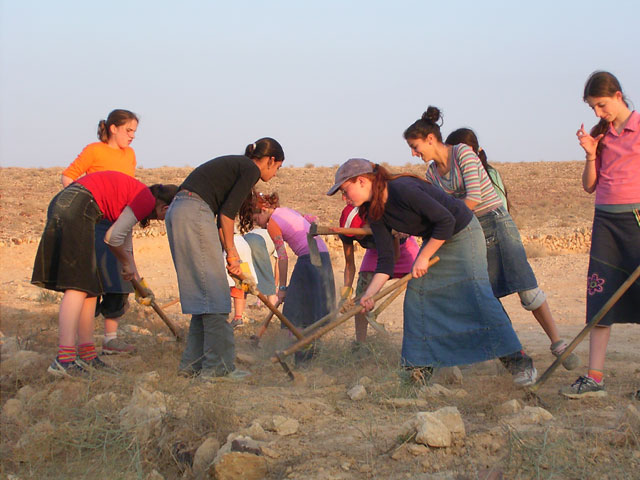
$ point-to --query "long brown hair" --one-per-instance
(602, 84)
(255, 203)
(468, 137)
(380, 177)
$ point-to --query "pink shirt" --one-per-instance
(408, 252)
(618, 165)
(294, 230)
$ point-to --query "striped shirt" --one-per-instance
(466, 179)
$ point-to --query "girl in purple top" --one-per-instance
(611, 169)
(310, 294)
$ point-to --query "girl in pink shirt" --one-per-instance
(611, 170)
(310, 294)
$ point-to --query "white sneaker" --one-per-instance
(526, 377)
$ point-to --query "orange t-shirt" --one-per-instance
(98, 157)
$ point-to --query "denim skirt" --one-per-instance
(615, 254)
(509, 269)
(451, 316)
(311, 293)
(197, 256)
(66, 257)
(109, 267)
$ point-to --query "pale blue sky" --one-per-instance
(330, 80)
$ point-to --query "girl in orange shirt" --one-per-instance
(112, 152)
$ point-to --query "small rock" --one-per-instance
(432, 432)
(135, 329)
(269, 452)
(405, 402)
(148, 381)
(450, 375)
(285, 426)
(451, 418)
(401, 453)
(256, 432)
(509, 407)
(529, 416)
(417, 449)
(357, 392)
(204, 456)
(246, 444)
(437, 390)
(24, 360)
(346, 466)
(364, 381)
(235, 465)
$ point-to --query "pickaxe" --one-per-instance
(144, 293)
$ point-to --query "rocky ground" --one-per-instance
(346, 415)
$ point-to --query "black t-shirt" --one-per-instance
(224, 182)
(417, 208)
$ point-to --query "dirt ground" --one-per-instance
(338, 438)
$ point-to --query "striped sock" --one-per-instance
(87, 351)
(596, 375)
(66, 354)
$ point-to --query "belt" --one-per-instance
(188, 193)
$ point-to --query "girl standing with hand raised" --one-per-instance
(611, 170)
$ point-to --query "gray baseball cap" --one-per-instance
(349, 169)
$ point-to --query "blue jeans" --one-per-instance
(262, 263)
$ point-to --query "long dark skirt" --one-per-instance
(66, 257)
(451, 316)
(311, 294)
(615, 254)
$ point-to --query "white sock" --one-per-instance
(110, 336)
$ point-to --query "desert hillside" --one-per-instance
(347, 414)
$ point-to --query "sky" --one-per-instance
(329, 80)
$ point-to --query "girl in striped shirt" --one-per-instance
(458, 171)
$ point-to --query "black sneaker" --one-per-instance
(64, 369)
(584, 387)
(96, 365)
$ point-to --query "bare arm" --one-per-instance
(283, 260)
(349, 264)
(66, 181)
(590, 145)
(226, 238)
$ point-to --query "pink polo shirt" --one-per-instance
(618, 165)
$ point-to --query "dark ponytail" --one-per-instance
(265, 147)
(468, 137)
(162, 193)
(117, 117)
(429, 123)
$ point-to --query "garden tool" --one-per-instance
(588, 327)
(250, 285)
(321, 330)
(145, 293)
(255, 339)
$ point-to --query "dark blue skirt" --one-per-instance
(615, 254)
(311, 293)
(451, 316)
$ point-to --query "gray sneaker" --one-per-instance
(64, 369)
(96, 365)
(525, 377)
(572, 361)
(584, 387)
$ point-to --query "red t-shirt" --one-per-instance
(113, 191)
